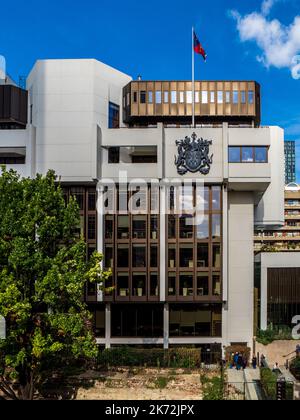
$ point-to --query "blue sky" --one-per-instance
(249, 39)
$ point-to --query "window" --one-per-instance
(132, 154)
(216, 226)
(91, 227)
(139, 256)
(220, 96)
(172, 284)
(197, 97)
(123, 256)
(108, 227)
(212, 97)
(153, 256)
(172, 256)
(216, 198)
(171, 227)
(186, 255)
(250, 97)
(181, 97)
(202, 226)
(158, 97)
(114, 116)
(216, 256)
(235, 97)
(174, 97)
(234, 154)
(202, 284)
(123, 227)
(189, 97)
(203, 255)
(153, 284)
(139, 284)
(204, 97)
(261, 154)
(243, 97)
(186, 284)
(143, 97)
(247, 154)
(150, 97)
(91, 201)
(186, 227)
(108, 260)
(114, 155)
(135, 97)
(139, 227)
(123, 284)
(228, 97)
(12, 155)
(166, 97)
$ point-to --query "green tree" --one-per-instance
(43, 272)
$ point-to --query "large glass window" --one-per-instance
(216, 198)
(261, 154)
(150, 97)
(123, 227)
(154, 284)
(143, 97)
(227, 95)
(109, 227)
(91, 227)
(235, 96)
(108, 262)
(172, 284)
(202, 284)
(203, 255)
(186, 255)
(174, 97)
(186, 284)
(171, 227)
(247, 154)
(202, 226)
(139, 284)
(250, 97)
(123, 284)
(139, 256)
(204, 97)
(216, 226)
(166, 97)
(186, 227)
(243, 97)
(172, 255)
(139, 224)
(217, 256)
(220, 96)
(212, 97)
(114, 116)
(123, 256)
(189, 97)
(153, 256)
(158, 97)
(216, 285)
(234, 154)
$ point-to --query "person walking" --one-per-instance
(254, 362)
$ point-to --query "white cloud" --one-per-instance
(267, 6)
(279, 43)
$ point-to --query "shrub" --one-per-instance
(212, 389)
(127, 356)
(268, 382)
(295, 368)
(271, 334)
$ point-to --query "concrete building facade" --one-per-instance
(174, 282)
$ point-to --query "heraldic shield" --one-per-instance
(193, 155)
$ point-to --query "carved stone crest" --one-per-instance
(193, 155)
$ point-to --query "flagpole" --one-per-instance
(193, 80)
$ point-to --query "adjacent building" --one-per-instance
(287, 237)
(290, 161)
(181, 276)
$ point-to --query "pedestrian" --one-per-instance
(235, 359)
(276, 368)
(239, 361)
(298, 350)
(262, 360)
(244, 362)
(254, 362)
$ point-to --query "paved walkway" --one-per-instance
(236, 379)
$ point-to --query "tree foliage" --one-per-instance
(43, 272)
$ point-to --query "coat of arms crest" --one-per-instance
(193, 155)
